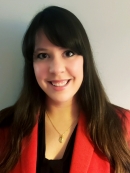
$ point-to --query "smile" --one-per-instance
(59, 83)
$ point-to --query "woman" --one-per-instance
(62, 121)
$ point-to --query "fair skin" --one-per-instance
(59, 72)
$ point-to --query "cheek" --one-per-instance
(39, 70)
(76, 67)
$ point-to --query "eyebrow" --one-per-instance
(40, 49)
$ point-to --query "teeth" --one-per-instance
(59, 83)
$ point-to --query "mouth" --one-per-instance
(60, 83)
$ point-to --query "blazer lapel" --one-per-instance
(83, 149)
(28, 159)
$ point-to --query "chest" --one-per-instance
(56, 138)
(85, 159)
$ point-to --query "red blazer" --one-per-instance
(85, 159)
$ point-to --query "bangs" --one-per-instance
(60, 28)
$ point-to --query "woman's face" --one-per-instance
(58, 71)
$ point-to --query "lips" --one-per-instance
(59, 83)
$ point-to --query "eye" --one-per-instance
(69, 53)
(42, 55)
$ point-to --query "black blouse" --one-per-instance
(53, 166)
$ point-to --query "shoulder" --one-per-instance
(127, 126)
(6, 119)
(127, 120)
(124, 114)
(6, 116)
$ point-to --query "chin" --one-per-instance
(60, 100)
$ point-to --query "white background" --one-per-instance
(107, 23)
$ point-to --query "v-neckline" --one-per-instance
(42, 143)
(68, 144)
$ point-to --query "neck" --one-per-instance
(67, 110)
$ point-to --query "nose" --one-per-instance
(57, 66)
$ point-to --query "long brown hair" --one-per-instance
(105, 127)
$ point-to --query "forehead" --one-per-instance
(43, 43)
(41, 40)
(40, 37)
